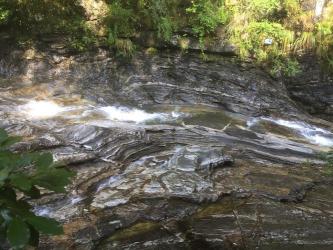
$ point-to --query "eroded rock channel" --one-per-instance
(171, 152)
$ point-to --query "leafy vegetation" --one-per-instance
(258, 31)
(21, 178)
(273, 33)
(45, 16)
(4, 14)
(126, 18)
(206, 16)
(328, 158)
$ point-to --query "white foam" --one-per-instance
(46, 109)
(41, 109)
(314, 134)
(321, 140)
(124, 114)
(42, 211)
(76, 199)
(251, 122)
(175, 114)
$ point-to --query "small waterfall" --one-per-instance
(48, 109)
(130, 115)
(314, 134)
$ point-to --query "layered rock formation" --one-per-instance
(206, 155)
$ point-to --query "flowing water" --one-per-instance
(18, 106)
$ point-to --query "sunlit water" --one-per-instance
(43, 110)
(312, 133)
(109, 115)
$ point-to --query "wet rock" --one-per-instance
(214, 177)
(197, 158)
(71, 156)
(316, 98)
(312, 89)
(251, 220)
(44, 142)
(148, 80)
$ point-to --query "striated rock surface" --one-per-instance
(313, 89)
(171, 152)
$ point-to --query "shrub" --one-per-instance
(206, 16)
(261, 9)
(4, 13)
(328, 159)
(161, 19)
(284, 67)
(246, 23)
(81, 37)
(121, 22)
(21, 176)
(124, 47)
(42, 16)
(251, 42)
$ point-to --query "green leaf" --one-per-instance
(18, 233)
(44, 161)
(16, 207)
(4, 173)
(8, 193)
(34, 237)
(3, 135)
(21, 182)
(33, 193)
(45, 225)
(11, 160)
(9, 141)
(54, 179)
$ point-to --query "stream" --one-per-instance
(202, 156)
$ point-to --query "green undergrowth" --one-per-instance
(272, 33)
(328, 159)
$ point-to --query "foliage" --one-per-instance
(246, 23)
(29, 19)
(328, 158)
(121, 21)
(161, 18)
(257, 32)
(257, 29)
(261, 9)
(284, 66)
(324, 37)
(35, 16)
(125, 18)
(151, 51)
(4, 13)
(82, 37)
(124, 47)
(206, 16)
(21, 177)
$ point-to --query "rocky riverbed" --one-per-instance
(171, 152)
